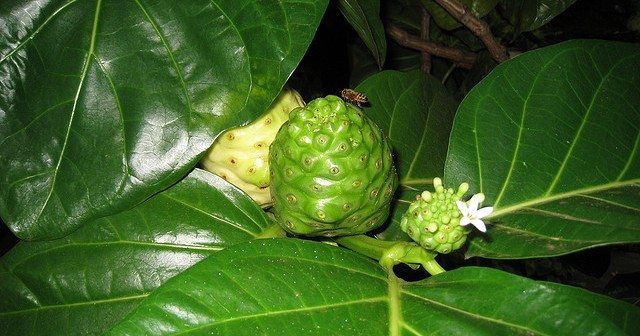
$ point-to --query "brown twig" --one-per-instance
(424, 35)
(477, 27)
(462, 58)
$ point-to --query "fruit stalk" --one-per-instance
(391, 253)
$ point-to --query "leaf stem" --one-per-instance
(391, 253)
(273, 231)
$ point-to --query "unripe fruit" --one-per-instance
(433, 219)
(241, 155)
(332, 172)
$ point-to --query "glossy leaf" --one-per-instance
(105, 103)
(551, 138)
(364, 17)
(527, 15)
(415, 111)
(444, 20)
(85, 282)
(311, 288)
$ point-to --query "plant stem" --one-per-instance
(477, 27)
(390, 253)
(371, 247)
(462, 58)
(424, 35)
(433, 267)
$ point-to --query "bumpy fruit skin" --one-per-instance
(241, 155)
(433, 219)
(332, 172)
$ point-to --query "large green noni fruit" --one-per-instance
(332, 171)
(241, 155)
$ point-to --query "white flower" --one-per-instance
(471, 214)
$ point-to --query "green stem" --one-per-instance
(273, 231)
(390, 253)
(433, 267)
(371, 247)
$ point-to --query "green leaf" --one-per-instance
(527, 15)
(551, 138)
(311, 288)
(364, 17)
(444, 20)
(416, 112)
(87, 281)
(105, 103)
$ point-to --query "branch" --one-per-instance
(477, 27)
(461, 58)
(424, 35)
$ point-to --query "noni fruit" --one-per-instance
(241, 155)
(332, 171)
(433, 219)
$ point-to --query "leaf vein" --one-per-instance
(476, 316)
(423, 135)
(172, 58)
(83, 75)
(35, 32)
(580, 129)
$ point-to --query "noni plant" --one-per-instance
(332, 171)
(109, 226)
(241, 155)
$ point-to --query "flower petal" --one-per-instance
(464, 221)
(484, 212)
(473, 206)
(478, 224)
(462, 206)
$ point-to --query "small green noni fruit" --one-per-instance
(332, 172)
(241, 155)
(433, 219)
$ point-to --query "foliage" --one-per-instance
(106, 108)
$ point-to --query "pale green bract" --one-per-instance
(241, 155)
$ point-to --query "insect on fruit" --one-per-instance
(354, 97)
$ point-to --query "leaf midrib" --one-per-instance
(395, 310)
(550, 198)
(523, 114)
(424, 132)
(83, 76)
(77, 304)
(589, 109)
(282, 312)
(127, 242)
(476, 316)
